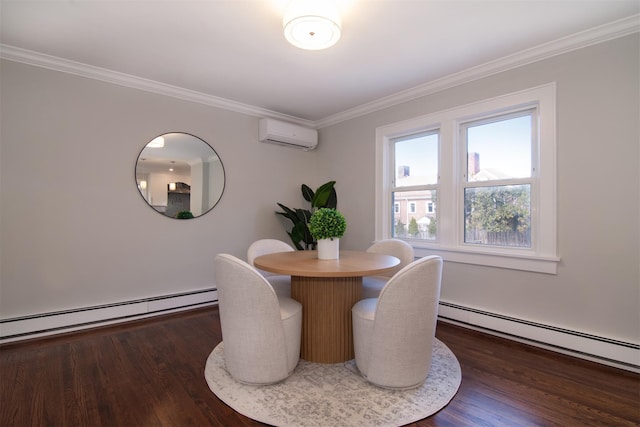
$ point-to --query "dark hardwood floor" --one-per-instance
(150, 373)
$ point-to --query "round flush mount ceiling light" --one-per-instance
(312, 24)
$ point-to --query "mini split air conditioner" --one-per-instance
(283, 133)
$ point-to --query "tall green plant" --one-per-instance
(324, 197)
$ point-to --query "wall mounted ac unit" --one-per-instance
(283, 133)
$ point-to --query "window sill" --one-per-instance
(525, 262)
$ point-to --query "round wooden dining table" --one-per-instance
(327, 289)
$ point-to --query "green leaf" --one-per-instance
(288, 213)
(307, 192)
(332, 201)
(295, 242)
(303, 215)
(298, 232)
(322, 195)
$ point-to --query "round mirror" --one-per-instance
(179, 175)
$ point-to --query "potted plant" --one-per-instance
(184, 215)
(324, 197)
(327, 226)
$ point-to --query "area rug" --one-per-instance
(336, 394)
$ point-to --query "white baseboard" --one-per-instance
(615, 353)
(604, 350)
(45, 324)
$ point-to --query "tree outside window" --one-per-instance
(499, 151)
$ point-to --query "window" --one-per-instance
(498, 179)
(415, 160)
(474, 184)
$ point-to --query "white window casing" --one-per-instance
(542, 256)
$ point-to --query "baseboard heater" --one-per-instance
(44, 324)
(599, 349)
(619, 354)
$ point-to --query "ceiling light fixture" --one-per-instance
(312, 24)
(156, 143)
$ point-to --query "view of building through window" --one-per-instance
(474, 183)
(496, 188)
(416, 182)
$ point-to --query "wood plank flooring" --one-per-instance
(150, 373)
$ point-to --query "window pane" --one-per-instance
(416, 160)
(420, 224)
(499, 150)
(498, 216)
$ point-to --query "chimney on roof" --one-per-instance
(473, 164)
(403, 172)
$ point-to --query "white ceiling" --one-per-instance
(235, 50)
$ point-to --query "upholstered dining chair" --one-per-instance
(281, 283)
(261, 332)
(393, 334)
(372, 285)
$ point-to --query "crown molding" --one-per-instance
(600, 34)
(71, 67)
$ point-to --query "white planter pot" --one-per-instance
(328, 249)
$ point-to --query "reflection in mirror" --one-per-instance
(180, 175)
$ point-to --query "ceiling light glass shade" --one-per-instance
(312, 24)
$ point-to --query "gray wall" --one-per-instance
(597, 288)
(75, 232)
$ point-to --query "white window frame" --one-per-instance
(542, 256)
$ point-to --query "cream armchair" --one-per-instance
(372, 285)
(261, 332)
(281, 283)
(393, 334)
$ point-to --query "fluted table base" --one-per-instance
(327, 333)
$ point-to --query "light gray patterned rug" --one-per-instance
(335, 394)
